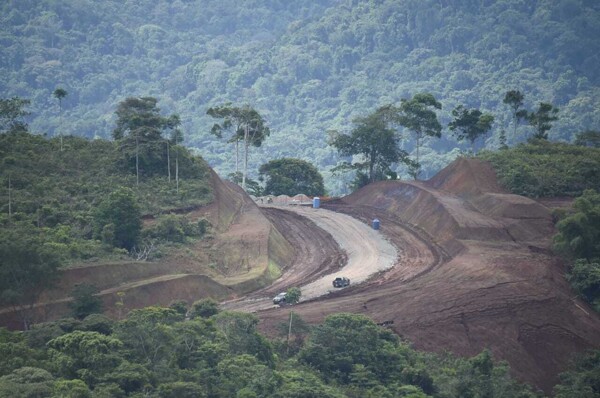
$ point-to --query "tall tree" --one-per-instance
(117, 221)
(289, 176)
(514, 99)
(541, 120)
(139, 131)
(248, 126)
(374, 140)
(418, 116)
(470, 124)
(59, 94)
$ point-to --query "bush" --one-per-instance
(175, 228)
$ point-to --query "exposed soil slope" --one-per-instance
(486, 276)
(244, 254)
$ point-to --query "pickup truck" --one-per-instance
(341, 281)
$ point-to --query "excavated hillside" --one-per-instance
(482, 276)
(244, 252)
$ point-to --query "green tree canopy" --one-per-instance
(589, 138)
(541, 120)
(117, 221)
(85, 301)
(470, 124)
(247, 126)
(288, 176)
(514, 99)
(139, 132)
(579, 233)
(418, 116)
(374, 141)
(28, 266)
(12, 112)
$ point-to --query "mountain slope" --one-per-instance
(307, 66)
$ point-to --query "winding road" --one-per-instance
(331, 244)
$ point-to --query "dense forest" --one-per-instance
(156, 352)
(307, 67)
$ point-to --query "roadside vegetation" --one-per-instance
(541, 168)
(70, 200)
(155, 352)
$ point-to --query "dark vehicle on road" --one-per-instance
(341, 281)
(279, 299)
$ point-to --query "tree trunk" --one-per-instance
(177, 171)
(246, 144)
(9, 200)
(168, 162)
(237, 156)
(137, 163)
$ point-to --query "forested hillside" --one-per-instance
(307, 66)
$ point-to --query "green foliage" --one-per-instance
(288, 176)
(579, 233)
(175, 228)
(117, 220)
(181, 389)
(346, 340)
(541, 168)
(583, 379)
(27, 382)
(418, 115)
(85, 301)
(541, 120)
(242, 337)
(29, 264)
(470, 124)
(55, 195)
(374, 140)
(204, 308)
(85, 355)
(311, 65)
(588, 138)
(584, 277)
(293, 295)
(71, 389)
(247, 125)
(12, 112)
(156, 352)
(139, 135)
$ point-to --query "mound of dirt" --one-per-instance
(498, 285)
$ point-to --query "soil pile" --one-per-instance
(488, 280)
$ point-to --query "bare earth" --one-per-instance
(475, 270)
(367, 251)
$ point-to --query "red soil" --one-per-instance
(486, 276)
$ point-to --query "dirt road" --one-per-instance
(330, 244)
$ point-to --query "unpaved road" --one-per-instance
(330, 244)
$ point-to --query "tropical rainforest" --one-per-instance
(306, 66)
(155, 352)
(98, 99)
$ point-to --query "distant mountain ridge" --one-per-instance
(307, 66)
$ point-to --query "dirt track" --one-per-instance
(474, 271)
(330, 244)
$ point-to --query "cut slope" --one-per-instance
(245, 253)
(500, 289)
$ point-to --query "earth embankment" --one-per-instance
(488, 278)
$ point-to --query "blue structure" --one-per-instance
(376, 224)
(316, 202)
